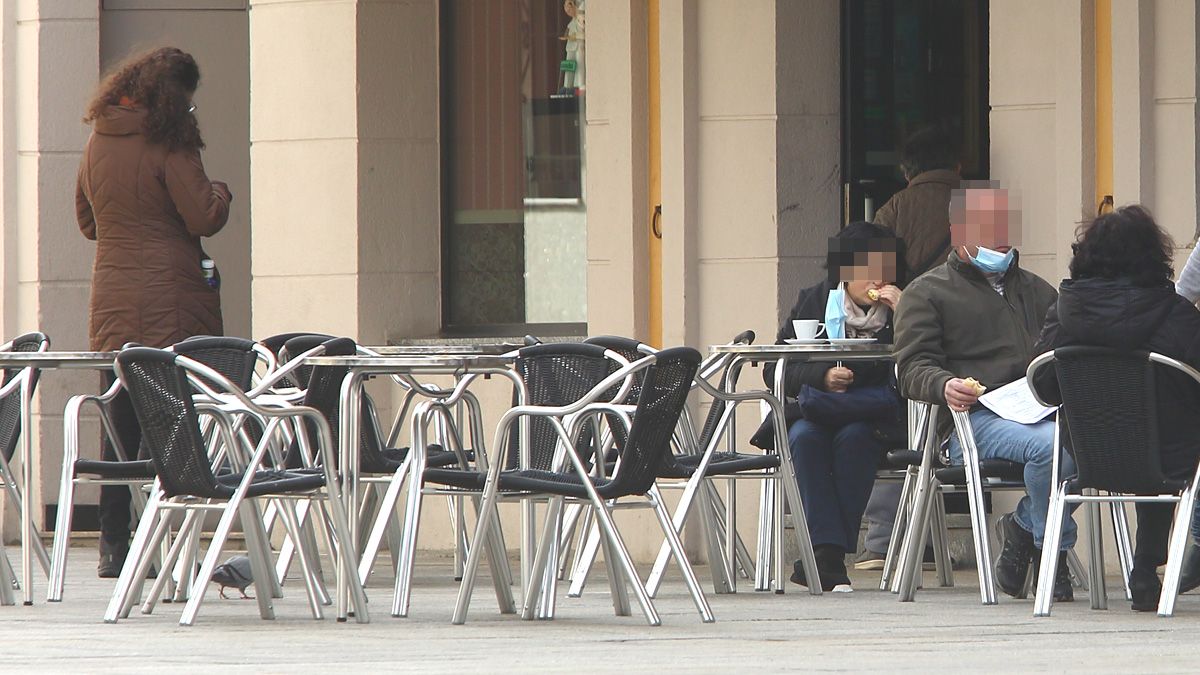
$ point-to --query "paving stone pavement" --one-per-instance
(946, 628)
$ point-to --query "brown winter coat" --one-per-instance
(920, 215)
(146, 208)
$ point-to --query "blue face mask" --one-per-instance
(992, 262)
(835, 313)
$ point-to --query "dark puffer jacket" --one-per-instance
(1119, 315)
(147, 209)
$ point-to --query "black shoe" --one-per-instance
(1063, 590)
(1012, 567)
(112, 559)
(1189, 575)
(1145, 588)
(831, 565)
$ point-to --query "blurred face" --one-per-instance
(984, 217)
(871, 270)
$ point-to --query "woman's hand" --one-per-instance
(889, 295)
(838, 379)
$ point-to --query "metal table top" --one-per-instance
(408, 363)
(495, 349)
(823, 351)
(57, 359)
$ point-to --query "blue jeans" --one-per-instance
(835, 469)
(1033, 446)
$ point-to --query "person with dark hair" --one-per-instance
(918, 213)
(837, 455)
(142, 195)
(976, 317)
(1120, 295)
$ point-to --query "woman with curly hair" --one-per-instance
(143, 197)
(1120, 295)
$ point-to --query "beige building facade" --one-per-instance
(328, 118)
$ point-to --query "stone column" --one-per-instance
(50, 62)
(344, 150)
(617, 188)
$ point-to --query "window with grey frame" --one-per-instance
(513, 166)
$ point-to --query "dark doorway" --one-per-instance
(907, 64)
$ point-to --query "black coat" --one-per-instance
(811, 305)
(1119, 315)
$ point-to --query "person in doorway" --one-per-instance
(919, 215)
(142, 195)
(978, 316)
(1120, 295)
(836, 454)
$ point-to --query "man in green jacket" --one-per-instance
(978, 317)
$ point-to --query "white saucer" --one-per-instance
(807, 341)
(851, 341)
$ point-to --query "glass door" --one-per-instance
(907, 64)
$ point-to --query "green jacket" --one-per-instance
(952, 323)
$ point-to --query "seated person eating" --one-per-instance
(832, 428)
(976, 317)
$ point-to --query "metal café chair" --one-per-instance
(553, 375)
(1109, 417)
(667, 380)
(160, 386)
(923, 509)
(236, 358)
(10, 433)
(679, 468)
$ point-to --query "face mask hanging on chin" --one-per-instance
(835, 313)
(992, 262)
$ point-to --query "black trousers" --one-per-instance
(115, 513)
(1153, 533)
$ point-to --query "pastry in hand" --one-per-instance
(873, 294)
(974, 384)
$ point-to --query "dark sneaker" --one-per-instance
(1063, 590)
(831, 565)
(1012, 567)
(869, 560)
(112, 559)
(1189, 575)
(1145, 587)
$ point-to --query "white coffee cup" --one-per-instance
(807, 329)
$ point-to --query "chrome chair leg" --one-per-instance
(903, 514)
(1096, 584)
(1180, 533)
(1044, 596)
(941, 543)
(1120, 522)
(685, 567)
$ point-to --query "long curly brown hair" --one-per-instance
(161, 81)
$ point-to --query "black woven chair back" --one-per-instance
(628, 349)
(718, 405)
(324, 394)
(1111, 418)
(162, 399)
(232, 357)
(295, 346)
(10, 406)
(665, 388)
(556, 374)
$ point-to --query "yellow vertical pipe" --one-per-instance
(654, 173)
(1104, 101)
